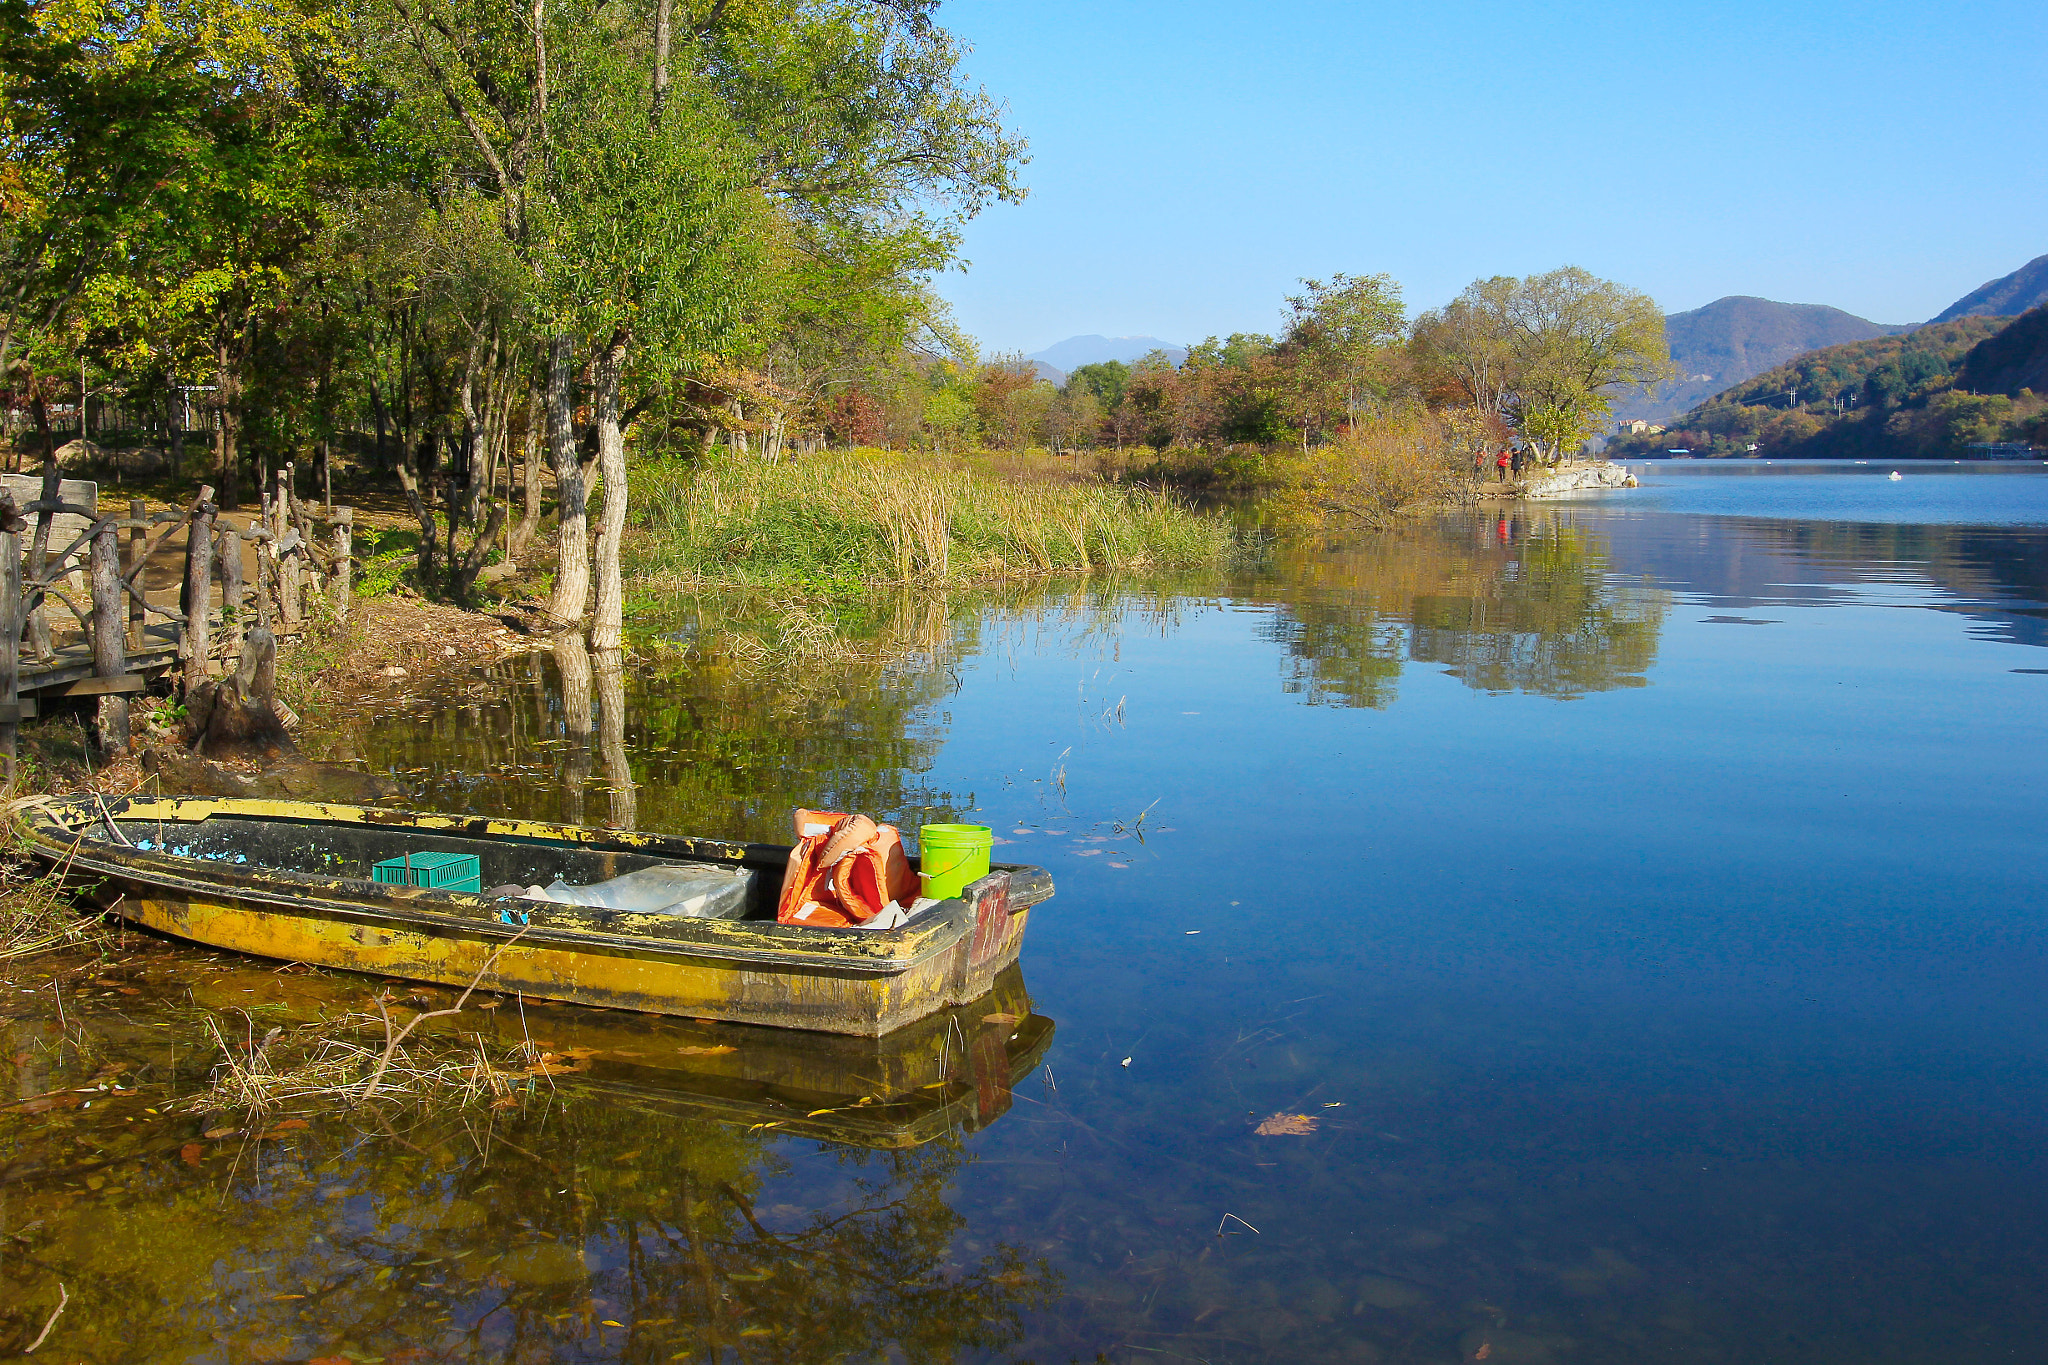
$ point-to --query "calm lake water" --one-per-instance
(1639, 894)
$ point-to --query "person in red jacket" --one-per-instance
(1501, 468)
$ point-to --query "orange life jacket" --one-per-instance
(846, 873)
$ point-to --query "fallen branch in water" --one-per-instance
(63, 1297)
(391, 1040)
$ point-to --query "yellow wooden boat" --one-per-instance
(294, 880)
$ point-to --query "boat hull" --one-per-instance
(837, 981)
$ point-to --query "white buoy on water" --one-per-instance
(1896, 476)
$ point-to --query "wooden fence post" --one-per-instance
(344, 568)
(234, 614)
(10, 646)
(38, 555)
(138, 537)
(198, 603)
(109, 615)
(266, 582)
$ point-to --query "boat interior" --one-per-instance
(350, 851)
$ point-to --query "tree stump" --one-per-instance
(237, 716)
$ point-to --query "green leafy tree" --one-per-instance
(1341, 334)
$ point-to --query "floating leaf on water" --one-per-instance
(717, 1050)
(287, 1126)
(192, 1153)
(42, 1104)
(215, 1134)
(1000, 1018)
(1287, 1125)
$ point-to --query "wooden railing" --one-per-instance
(126, 638)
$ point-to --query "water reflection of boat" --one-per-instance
(950, 1071)
(292, 880)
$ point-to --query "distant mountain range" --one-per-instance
(1067, 356)
(2006, 297)
(1737, 338)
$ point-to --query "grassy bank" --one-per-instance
(868, 518)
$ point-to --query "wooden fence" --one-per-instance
(117, 638)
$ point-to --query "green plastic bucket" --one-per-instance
(951, 856)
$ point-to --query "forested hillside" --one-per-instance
(1733, 339)
(2006, 296)
(1892, 397)
(2012, 362)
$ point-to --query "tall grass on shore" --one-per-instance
(873, 517)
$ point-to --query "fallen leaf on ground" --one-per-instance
(717, 1050)
(1287, 1125)
(192, 1153)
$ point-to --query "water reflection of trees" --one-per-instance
(1520, 603)
(596, 1232)
(721, 725)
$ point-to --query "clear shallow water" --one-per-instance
(1639, 892)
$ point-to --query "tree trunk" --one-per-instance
(408, 480)
(529, 515)
(607, 630)
(228, 400)
(663, 31)
(572, 547)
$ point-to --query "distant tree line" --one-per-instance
(1534, 362)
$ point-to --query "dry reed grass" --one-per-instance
(332, 1063)
(37, 912)
(872, 517)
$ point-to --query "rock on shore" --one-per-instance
(1578, 478)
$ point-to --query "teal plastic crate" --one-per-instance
(442, 871)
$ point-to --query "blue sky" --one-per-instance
(1190, 161)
